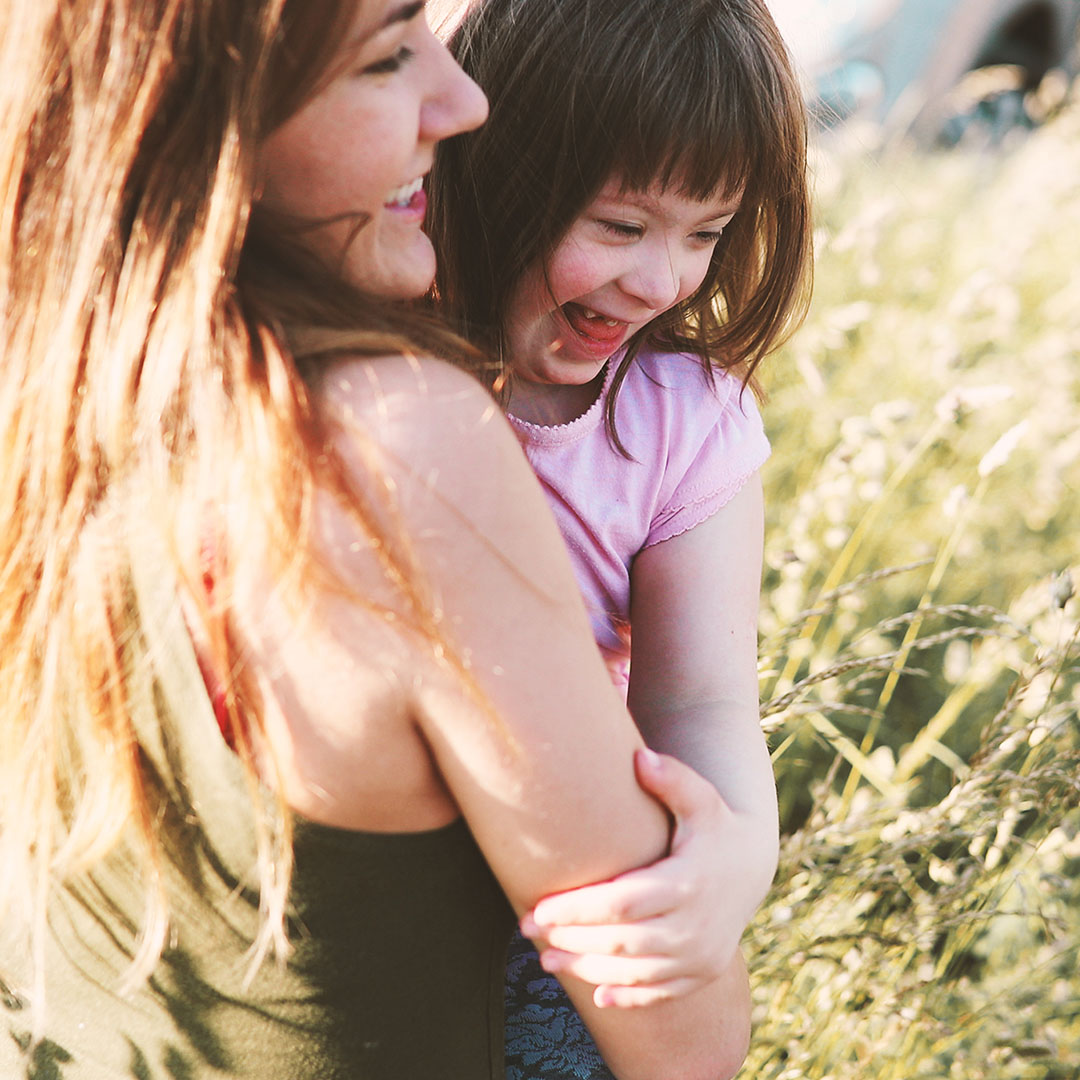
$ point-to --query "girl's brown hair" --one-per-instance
(699, 94)
(146, 311)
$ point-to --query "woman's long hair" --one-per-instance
(145, 315)
(697, 94)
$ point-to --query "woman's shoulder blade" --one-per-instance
(413, 407)
(420, 381)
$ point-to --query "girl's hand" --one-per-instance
(666, 929)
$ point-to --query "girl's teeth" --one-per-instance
(590, 314)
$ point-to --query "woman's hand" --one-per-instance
(666, 929)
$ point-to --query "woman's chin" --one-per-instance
(400, 270)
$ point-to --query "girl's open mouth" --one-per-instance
(593, 327)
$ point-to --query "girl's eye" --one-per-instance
(708, 236)
(622, 228)
(389, 64)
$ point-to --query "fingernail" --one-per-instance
(542, 923)
(549, 961)
(528, 926)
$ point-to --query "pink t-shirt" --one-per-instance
(693, 445)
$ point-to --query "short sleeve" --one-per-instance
(731, 446)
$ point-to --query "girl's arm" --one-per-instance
(693, 692)
(539, 755)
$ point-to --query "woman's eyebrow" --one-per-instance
(403, 13)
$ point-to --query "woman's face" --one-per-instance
(626, 259)
(350, 163)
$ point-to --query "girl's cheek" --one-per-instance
(692, 283)
(588, 268)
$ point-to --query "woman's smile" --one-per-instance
(363, 211)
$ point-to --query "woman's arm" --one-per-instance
(539, 757)
(693, 693)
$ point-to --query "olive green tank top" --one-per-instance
(398, 940)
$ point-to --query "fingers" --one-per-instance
(682, 790)
(640, 894)
(629, 997)
(615, 971)
(657, 937)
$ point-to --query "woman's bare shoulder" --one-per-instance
(391, 394)
(429, 429)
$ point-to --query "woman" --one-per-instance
(291, 655)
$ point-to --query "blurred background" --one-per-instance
(933, 68)
(920, 665)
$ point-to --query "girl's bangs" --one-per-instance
(720, 139)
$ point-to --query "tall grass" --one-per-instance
(920, 662)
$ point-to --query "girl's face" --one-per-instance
(627, 258)
(353, 158)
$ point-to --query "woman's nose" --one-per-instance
(454, 103)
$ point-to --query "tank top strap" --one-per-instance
(174, 718)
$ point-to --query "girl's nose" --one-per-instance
(654, 279)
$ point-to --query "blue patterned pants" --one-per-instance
(545, 1037)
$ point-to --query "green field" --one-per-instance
(920, 661)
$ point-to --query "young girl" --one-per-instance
(285, 623)
(629, 234)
